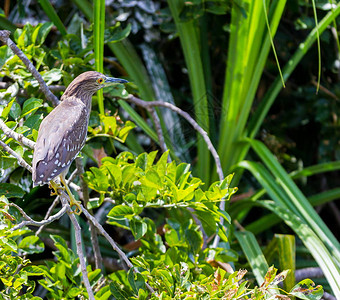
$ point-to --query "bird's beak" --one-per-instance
(112, 80)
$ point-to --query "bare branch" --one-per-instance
(20, 160)
(93, 231)
(193, 123)
(158, 128)
(16, 136)
(4, 37)
(77, 230)
(49, 211)
(30, 221)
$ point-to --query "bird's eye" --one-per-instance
(100, 80)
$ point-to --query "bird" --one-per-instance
(62, 133)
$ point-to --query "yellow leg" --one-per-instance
(55, 186)
(73, 201)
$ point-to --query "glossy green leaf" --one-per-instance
(11, 191)
(138, 228)
(31, 244)
(7, 109)
(121, 211)
(116, 33)
(30, 106)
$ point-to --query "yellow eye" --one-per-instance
(100, 80)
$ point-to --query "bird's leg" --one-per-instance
(73, 201)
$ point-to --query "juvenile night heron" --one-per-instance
(62, 133)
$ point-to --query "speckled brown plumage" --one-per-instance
(62, 133)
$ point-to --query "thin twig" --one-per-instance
(16, 136)
(4, 37)
(158, 129)
(93, 231)
(31, 222)
(20, 160)
(193, 123)
(77, 231)
(49, 212)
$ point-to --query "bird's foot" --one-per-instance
(57, 188)
(74, 202)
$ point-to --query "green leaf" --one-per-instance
(121, 211)
(7, 109)
(52, 76)
(15, 110)
(123, 133)
(116, 33)
(115, 174)
(307, 290)
(97, 180)
(5, 54)
(34, 270)
(9, 243)
(40, 33)
(136, 281)
(30, 106)
(138, 227)
(33, 121)
(11, 190)
(118, 292)
(31, 244)
(194, 240)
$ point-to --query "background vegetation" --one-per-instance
(214, 60)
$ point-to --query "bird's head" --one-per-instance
(87, 83)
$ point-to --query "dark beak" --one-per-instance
(112, 80)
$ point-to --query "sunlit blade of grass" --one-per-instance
(188, 34)
(259, 39)
(241, 208)
(313, 244)
(255, 257)
(302, 207)
(98, 41)
(86, 8)
(52, 15)
(275, 13)
(286, 254)
(268, 221)
(316, 169)
(235, 72)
